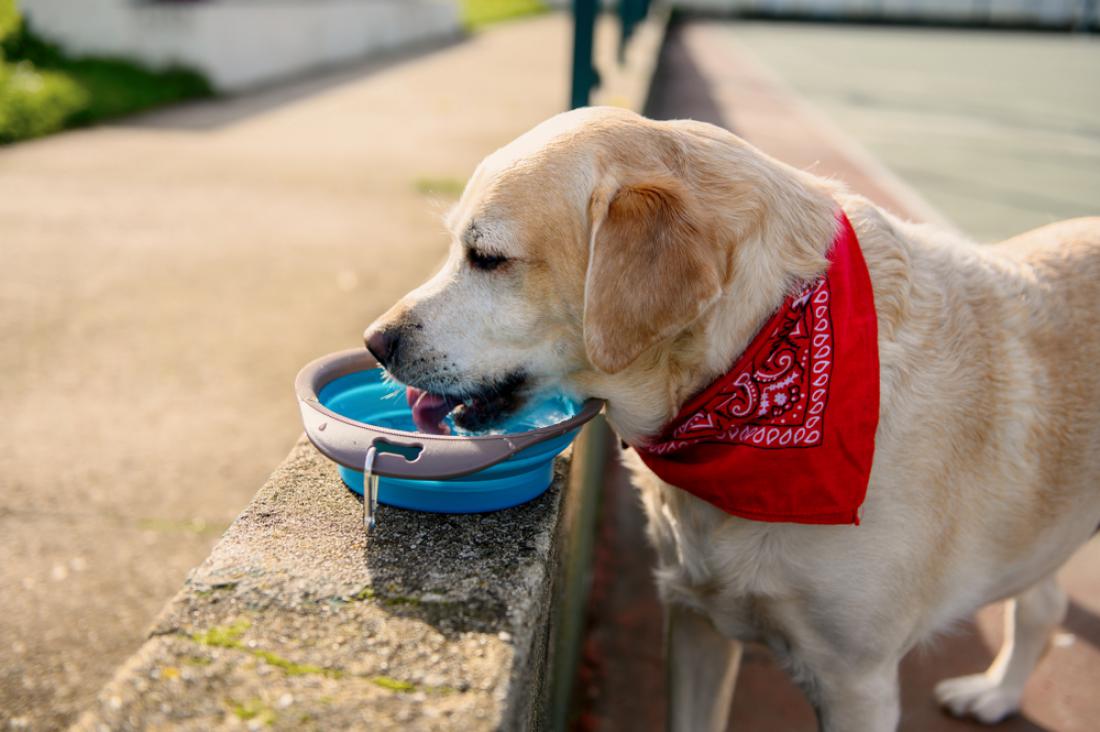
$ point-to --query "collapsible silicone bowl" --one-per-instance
(347, 410)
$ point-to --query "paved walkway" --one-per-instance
(707, 73)
(162, 282)
(999, 131)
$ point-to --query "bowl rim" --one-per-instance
(444, 454)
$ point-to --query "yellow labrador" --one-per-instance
(618, 257)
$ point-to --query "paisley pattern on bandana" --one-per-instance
(788, 433)
(778, 394)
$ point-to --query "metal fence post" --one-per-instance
(631, 13)
(585, 77)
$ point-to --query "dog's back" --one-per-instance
(991, 370)
(1063, 310)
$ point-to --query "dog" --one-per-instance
(612, 256)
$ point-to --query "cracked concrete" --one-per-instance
(298, 620)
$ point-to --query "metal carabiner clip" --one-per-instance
(370, 490)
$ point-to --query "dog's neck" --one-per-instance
(768, 264)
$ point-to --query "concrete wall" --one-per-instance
(301, 621)
(240, 44)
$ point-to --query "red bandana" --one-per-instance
(788, 433)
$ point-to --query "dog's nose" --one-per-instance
(383, 343)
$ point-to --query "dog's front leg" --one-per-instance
(857, 698)
(702, 669)
(1030, 619)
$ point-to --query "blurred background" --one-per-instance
(199, 196)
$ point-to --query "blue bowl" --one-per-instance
(363, 396)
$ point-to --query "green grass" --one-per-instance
(117, 88)
(476, 14)
(43, 89)
(9, 18)
(444, 187)
(35, 103)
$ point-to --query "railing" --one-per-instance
(1078, 15)
(585, 76)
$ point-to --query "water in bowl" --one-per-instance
(365, 396)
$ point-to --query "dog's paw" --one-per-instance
(978, 696)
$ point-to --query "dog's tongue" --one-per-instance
(428, 410)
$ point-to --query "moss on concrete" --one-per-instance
(392, 684)
(431, 622)
(223, 636)
(294, 669)
(229, 636)
(253, 709)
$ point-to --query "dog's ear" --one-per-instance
(652, 270)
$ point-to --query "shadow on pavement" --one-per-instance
(679, 88)
(1083, 623)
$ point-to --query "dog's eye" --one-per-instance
(483, 261)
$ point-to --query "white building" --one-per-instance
(239, 44)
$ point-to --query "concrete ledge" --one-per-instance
(298, 621)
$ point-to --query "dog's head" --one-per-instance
(582, 255)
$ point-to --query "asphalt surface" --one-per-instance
(999, 131)
(161, 282)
